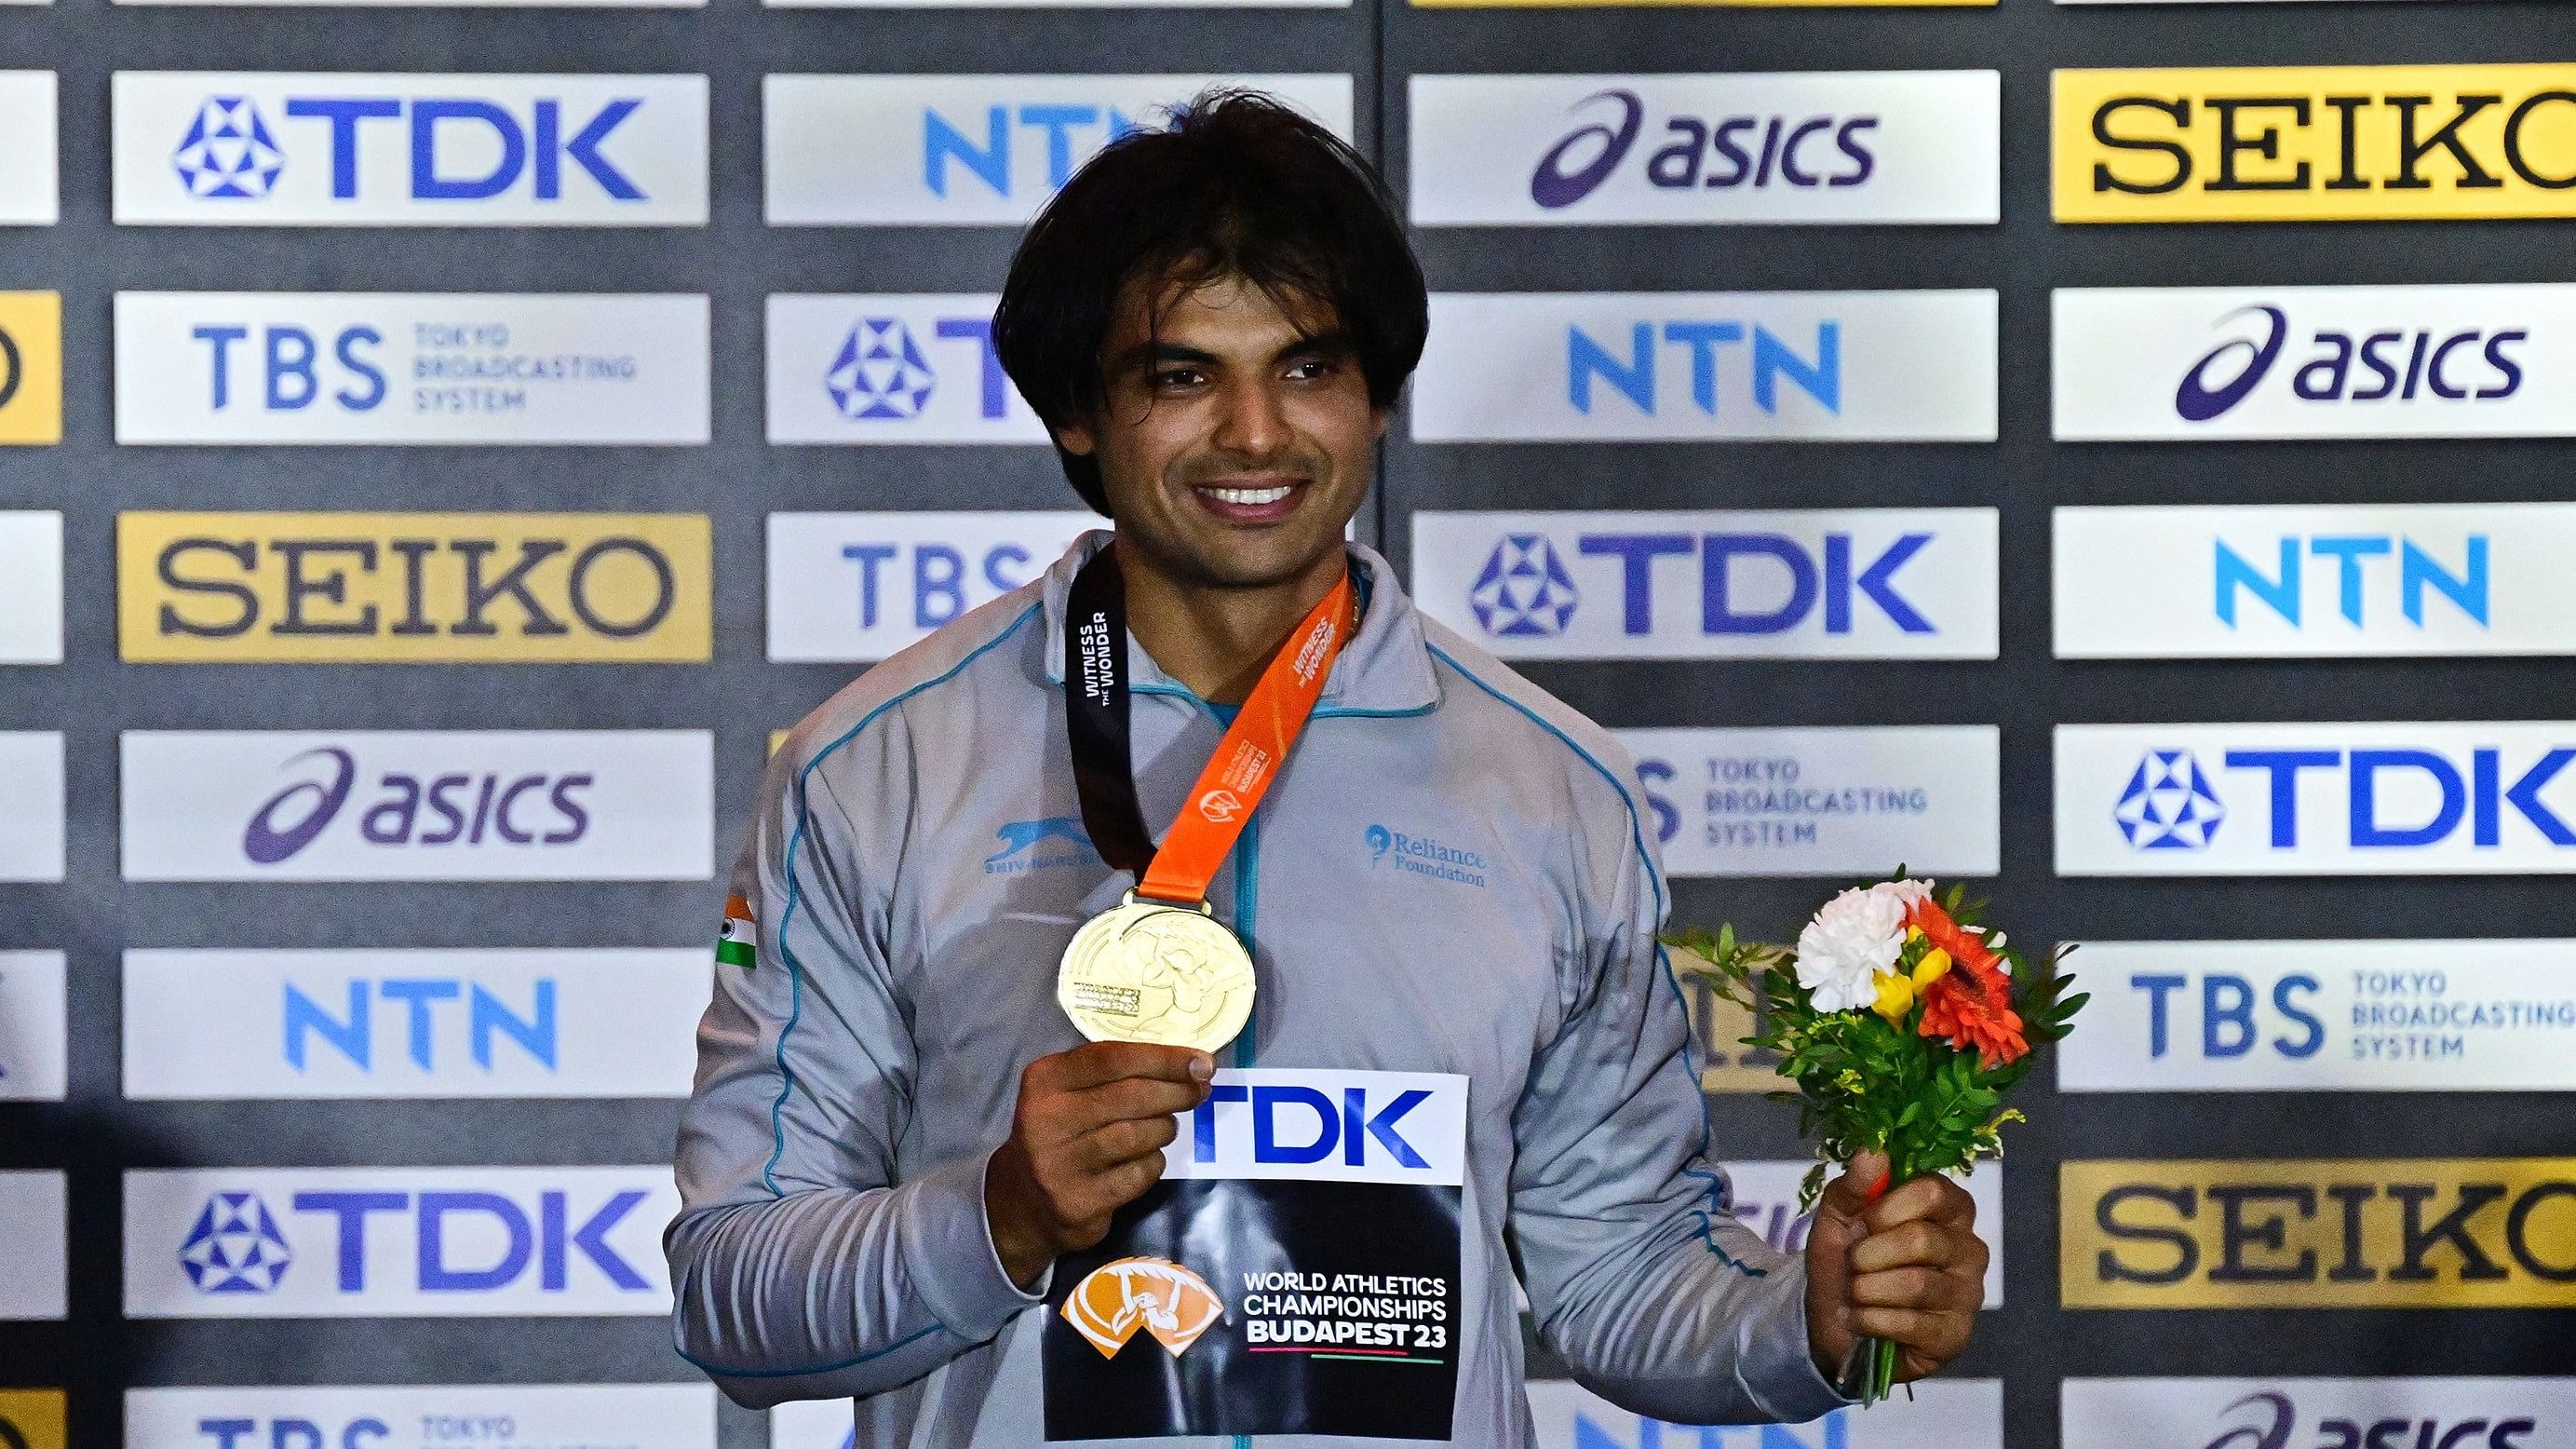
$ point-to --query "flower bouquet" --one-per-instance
(1902, 1022)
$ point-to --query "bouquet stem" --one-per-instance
(1868, 1370)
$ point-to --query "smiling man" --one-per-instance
(1361, 927)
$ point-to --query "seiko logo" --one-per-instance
(1154, 1296)
(614, 587)
(2250, 134)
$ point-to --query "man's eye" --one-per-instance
(1176, 377)
(1310, 370)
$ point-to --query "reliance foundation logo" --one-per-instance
(1426, 856)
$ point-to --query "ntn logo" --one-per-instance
(1763, 583)
(352, 1031)
(467, 148)
(1799, 151)
(1772, 359)
(2392, 364)
(945, 582)
(946, 144)
(2282, 589)
(466, 807)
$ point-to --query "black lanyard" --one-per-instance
(1096, 699)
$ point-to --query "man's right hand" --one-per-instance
(1087, 1139)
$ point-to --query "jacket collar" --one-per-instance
(1384, 670)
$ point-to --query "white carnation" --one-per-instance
(1856, 936)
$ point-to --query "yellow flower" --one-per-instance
(1895, 996)
(1934, 965)
(1849, 1081)
(1913, 934)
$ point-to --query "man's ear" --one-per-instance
(1075, 438)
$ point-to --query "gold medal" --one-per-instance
(1154, 972)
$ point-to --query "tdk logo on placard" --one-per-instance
(1336, 1125)
(2315, 799)
(882, 373)
(1628, 366)
(1718, 152)
(270, 149)
(2392, 365)
(1824, 583)
(365, 1242)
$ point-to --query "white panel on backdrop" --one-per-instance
(1689, 366)
(30, 186)
(2316, 799)
(397, 1242)
(311, 1024)
(33, 1274)
(857, 586)
(31, 588)
(1824, 802)
(410, 367)
(1854, 583)
(891, 368)
(2216, 363)
(813, 1424)
(1938, 1414)
(33, 1052)
(2224, 1413)
(1809, 147)
(265, 148)
(418, 805)
(1056, 4)
(968, 150)
(2313, 581)
(31, 808)
(444, 1416)
(1765, 1197)
(2325, 1016)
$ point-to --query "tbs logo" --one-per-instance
(2394, 365)
(1744, 359)
(882, 373)
(462, 148)
(534, 809)
(2227, 1007)
(1715, 152)
(2266, 1421)
(1526, 591)
(943, 581)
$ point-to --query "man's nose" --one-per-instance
(1250, 423)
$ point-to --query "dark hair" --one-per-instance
(1239, 185)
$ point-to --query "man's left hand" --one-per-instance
(1907, 1267)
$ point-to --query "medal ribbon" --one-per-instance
(1230, 787)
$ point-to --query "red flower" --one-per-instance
(1969, 1005)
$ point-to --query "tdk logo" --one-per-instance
(459, 808)
(981, 145)
(2268, 1420)
(435, 1013)
(1744, 359)
(1297, 1125)
(2353, 561)
(883, 373)
(2170, 803)
(1717, 152)
(236, 1246)
(2384, 366)
(1524, 590)
(229, 151)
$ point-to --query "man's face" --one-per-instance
(1235, 444)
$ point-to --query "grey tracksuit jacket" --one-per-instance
(916, 866)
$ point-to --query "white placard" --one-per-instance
(1939, 1414)
(30, 184)
(31, 588)
(891, 368)
(418, 805)
(34, 1055)
(329, 1024)
(33, 1275)
(445, 1416)
(860, 586)
(1816, 147)
(270, 148)
(31, 806)
(2210, 1413)
(1840, 801)
(1705, 366)
(1857, 583)
(968, 150)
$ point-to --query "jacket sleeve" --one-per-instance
(800, 1267)
(1637, 1271)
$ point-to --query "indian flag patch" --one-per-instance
(738, 944)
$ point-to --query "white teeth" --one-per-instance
(1247, 495)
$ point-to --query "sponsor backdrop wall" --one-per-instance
(438, 449)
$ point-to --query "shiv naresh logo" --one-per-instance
(1024, 842)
